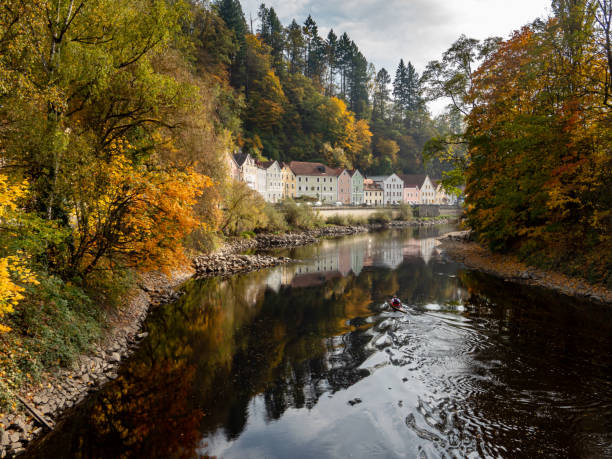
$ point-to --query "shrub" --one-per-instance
(55, 323)
(354, 221)
(244, 210)
(300, 216)
(336, 220)
(276, 219)
(380, 217)
(405, 213)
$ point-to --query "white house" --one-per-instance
(248, 169)
(428, 191)
(274, 181)
(315, 180)
(261, 180)
(392, 186)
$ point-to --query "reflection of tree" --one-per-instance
(229, 340)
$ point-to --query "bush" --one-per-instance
(275, 219)
(355, 221)
(55, 323)
(244, 210)
(405, 213)
(336, 220)
(300, 216)
(380, 217)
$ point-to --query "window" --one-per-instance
(317, 179)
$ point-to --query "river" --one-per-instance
(305, 361)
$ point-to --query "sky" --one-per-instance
(415, 30)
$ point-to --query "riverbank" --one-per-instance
(458, 247)
(60, 390)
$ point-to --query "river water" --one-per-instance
(305, 361)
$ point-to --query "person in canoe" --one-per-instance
(396, 304)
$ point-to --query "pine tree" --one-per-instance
(295, 47)
(332, 62)
(233, 16)
(399, 89)
(381, 95)
(271, 32)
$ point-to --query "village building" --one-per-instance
(232, 166)
(274, 182)
(262, 179)
(344, 186)
(288, 180)
(315, 180)
(412, 190)
(428, 191)
(442, 196)
(393, 188)
(248, 169)
(357, 198)
(373, 193)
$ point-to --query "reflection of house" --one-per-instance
(393, 188)
(392, 255)
(344, 259)
(315, 278)
(315, 180)
(423, 248)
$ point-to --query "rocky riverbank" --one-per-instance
(459, 247)
(44, 403)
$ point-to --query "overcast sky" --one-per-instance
(415, 30)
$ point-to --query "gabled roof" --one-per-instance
(340, 171)
(352, 172)
(411, 180)
(378, 178)
(240, 158)
(266, 164)
(307, 168)
(382, 178)
(370, 185)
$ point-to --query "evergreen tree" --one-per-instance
(233, 16)
(400, 92)
(271, 32)
(295, 47)
(381, 95)
(332, 62)
(344, 58)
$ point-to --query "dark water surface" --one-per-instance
(303, 361)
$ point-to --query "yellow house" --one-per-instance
(288, 180)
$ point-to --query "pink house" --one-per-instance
(344, 186)
(412, 188)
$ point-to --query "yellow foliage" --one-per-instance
(12, 268)
(141, 214)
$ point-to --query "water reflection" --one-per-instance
(303, 361)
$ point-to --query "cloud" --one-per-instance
(414, 30)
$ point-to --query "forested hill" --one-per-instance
(301, 96)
